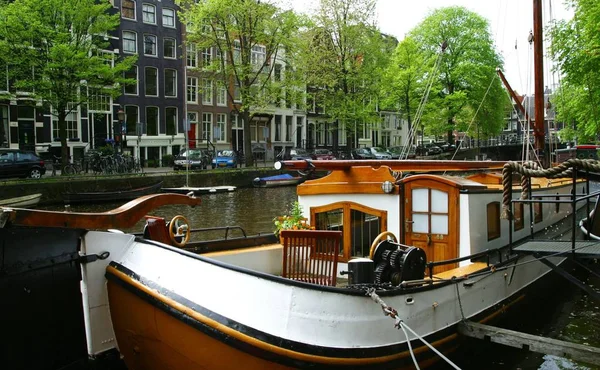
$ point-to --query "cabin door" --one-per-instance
(430, 221)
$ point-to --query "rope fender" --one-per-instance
(532, 169)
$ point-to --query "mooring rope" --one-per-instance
(531, 169)
(400, 324)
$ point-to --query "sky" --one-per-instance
(510, 21)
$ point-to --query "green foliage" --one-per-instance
(292, 221)
(106, 150)
(236, 28)
(343, 58)
(53, 47)
(576, 49)
(167, 160)
(466, 80)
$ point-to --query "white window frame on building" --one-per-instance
(221, 128)
(207, 91)
(128, 10)
(192, 90)
(191, 55)
(150, 129)
(146, 79)
(150, 47)
(171, 114)
(148, 13)
(168, 17)
(206, 57)
(221, 94)
(170, 83)
(132, 117)
(207, 123)
(258, 55)
(135, 87)
(71, 120)
(169, 52)
(129, 44)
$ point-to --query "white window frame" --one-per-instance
(134, 10)
(137, 83)
(157, 119)
(154, 52)
(207, 125)
(207, 91)
(146, 81)
(221, 95)
(167, 17)
(206, 57)
(146, 11)
(175, 120)
(192, 90)
(128, 41)
(174, 82)
(191, 55)
(258, 55)
(221, 124)
(174, 48)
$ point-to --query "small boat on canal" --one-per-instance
(277, 180)
(23, 201)
(389, 251)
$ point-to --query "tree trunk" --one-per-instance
(62, 133)
(248, 158)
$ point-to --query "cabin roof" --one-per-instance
(455, 181)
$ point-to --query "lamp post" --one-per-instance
(122, 127)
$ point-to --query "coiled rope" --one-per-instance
(532, 169)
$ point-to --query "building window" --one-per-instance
(258, 55)
(493, 220)
(171, 120)
(207, 92)
(152, 121)
(299, 124)
(221, 127)
(519, 220)
(149, 13)
(168, 18)
(206, 57)
(277, 128)
(150, 45)
(169, 50)
(131, 118)
(72, 120)
(288, 128)
(538, 215)
(128, 9)
(132, 74)
(191, 55)
(192, 90)
(221, 94)
(129, 42)
(206, 125)
(151, 79)
(170, 83)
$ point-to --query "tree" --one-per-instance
(250, 35)
(467, 72)
(403, 85)
(576, 49)
(351, 55)
(56, 51)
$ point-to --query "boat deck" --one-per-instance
(547, 247)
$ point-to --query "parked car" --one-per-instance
(400, 152)
(323, 154)
(429, 149)
(445, 146)
(19, 163)
(379, 153)
(294, 154)
(193, 159)
(225, 158)
(362, 153)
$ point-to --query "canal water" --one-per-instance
(563, 313)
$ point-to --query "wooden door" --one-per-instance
(430, 219)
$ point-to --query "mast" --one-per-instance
(538, 66)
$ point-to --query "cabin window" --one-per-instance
(493, 220)
(538, 215)
(519, 221)
(429, 211)
(359, 224)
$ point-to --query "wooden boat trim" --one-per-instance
(122, 217)
(396, 165)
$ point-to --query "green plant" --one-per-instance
(292, 221)
(167, 160)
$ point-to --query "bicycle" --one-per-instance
(71, 168)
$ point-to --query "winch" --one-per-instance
(360, 271)
(395, 263)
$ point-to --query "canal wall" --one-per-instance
(53, 187)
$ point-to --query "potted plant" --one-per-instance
(292, 221)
